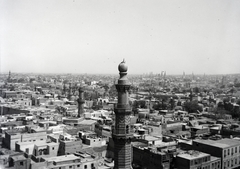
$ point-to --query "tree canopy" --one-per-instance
(192, 107)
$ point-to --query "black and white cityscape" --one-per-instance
(119, 84)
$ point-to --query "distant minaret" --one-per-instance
(70, 91)
(224, 79)
(9, 76)
(64, 89)
(122, 134)
(162, 72)
(81, 102)
(191, 94)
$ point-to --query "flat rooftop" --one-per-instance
(190, 155)
(223, 143)
(18, 157)
(62, 158)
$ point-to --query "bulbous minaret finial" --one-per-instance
(122, 67)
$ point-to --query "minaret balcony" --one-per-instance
(122, 136)
(122, 132)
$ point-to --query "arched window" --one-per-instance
(127, 129)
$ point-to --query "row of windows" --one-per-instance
(85, 166)
(216, 165)
(29, 140)
(200, 160)
(231, 151)
(233, 161)
(206, 167)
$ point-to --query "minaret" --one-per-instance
(9, 76)
(81, 102)
(121, 133)
(64, 89)
(191, 94)
(70, 91)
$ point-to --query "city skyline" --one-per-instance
(93, 36)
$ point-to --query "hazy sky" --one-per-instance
(93, 36)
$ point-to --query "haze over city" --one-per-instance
(82, 36)
(123, 84)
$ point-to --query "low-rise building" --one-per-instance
(148, 157)
(69, 146)
(226, 149)
(13, 137)
(197, 160)
(78, 161)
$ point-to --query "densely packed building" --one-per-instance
(143, 121)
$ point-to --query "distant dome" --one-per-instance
(122, 67)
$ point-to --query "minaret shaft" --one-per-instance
(81, 102)
(122, 134)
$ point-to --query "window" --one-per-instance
(70, 166)
(21, 163)
(191, 162)
(78, 165)
(228, 151)
(85, 166)
(52, 148)
(127, 129)
(92, 165)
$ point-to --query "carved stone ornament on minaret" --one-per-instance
(122, 133)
